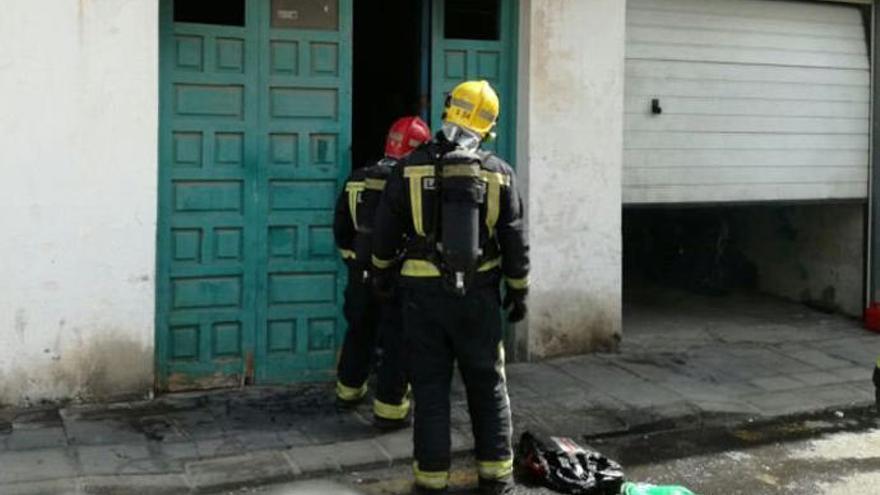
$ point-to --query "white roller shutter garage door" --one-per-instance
(760, 100)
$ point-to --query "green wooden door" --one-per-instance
(476, 47)
(305, 127)
(254, 126)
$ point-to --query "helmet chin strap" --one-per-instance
(460, 136)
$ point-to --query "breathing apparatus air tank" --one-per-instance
(462, 193)
(368, 203)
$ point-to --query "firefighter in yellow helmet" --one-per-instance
(454, 211)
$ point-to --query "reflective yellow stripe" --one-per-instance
(499, 364)
(485, 267)
(434, 480)
(461, 171)
(415, 174)
(518, 283)
(424, 268)
(495, 181)
(391, 411)
(419, 268)
(495, 470)
(350, 393)
(353, 189)
(374, 184)
(347, 254)
(878, 362)
(382, 264)
(495, 178)
(493, 204)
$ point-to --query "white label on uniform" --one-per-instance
(428, 183)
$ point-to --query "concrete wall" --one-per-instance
(808, 253)
(572, 119)
(78, 139)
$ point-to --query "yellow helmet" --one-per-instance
(474, 106)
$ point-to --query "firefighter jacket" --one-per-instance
(407, 216)
(356, 209)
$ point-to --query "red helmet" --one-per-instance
(405, 135)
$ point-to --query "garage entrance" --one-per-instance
(263, 105)
(745, 154)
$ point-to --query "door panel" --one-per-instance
(254, 123)
(457, 60)
(305, 124)
(205, 298)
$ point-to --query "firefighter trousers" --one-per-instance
(373, 340)
(876, 379)
(441, 329)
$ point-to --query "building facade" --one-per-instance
(171, 171)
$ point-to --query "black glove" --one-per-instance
(515, 301)
(383, 284)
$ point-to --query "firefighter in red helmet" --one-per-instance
(374, 322)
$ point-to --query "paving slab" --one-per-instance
(328, 428)
(259, 440)
(164, 484)
(46, 487)
(118, 459)
(175, 454)
(36, 465)
(36, 438)
(218, 447)
(855, 373)
(36, 418)
(731, 408)
(817, 378)
(855, 350)
(101, 432)
(398, 445)
(572, 399)
(814, 357)
(294, 437)
(339, 456)
(235, 471)
(777, 383)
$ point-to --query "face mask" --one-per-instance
(460, 136)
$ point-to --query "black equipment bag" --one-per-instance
(564, 466)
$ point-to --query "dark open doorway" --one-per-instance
(387, 61)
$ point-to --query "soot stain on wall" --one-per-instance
(103, 368)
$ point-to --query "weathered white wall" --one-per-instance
(810, 253)
(573, 123)
(78, 144)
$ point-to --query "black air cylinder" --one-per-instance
(463, 192)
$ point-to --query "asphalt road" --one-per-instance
(820, 455)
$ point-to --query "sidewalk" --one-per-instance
(684, 375)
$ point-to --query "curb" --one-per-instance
(393, 448)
